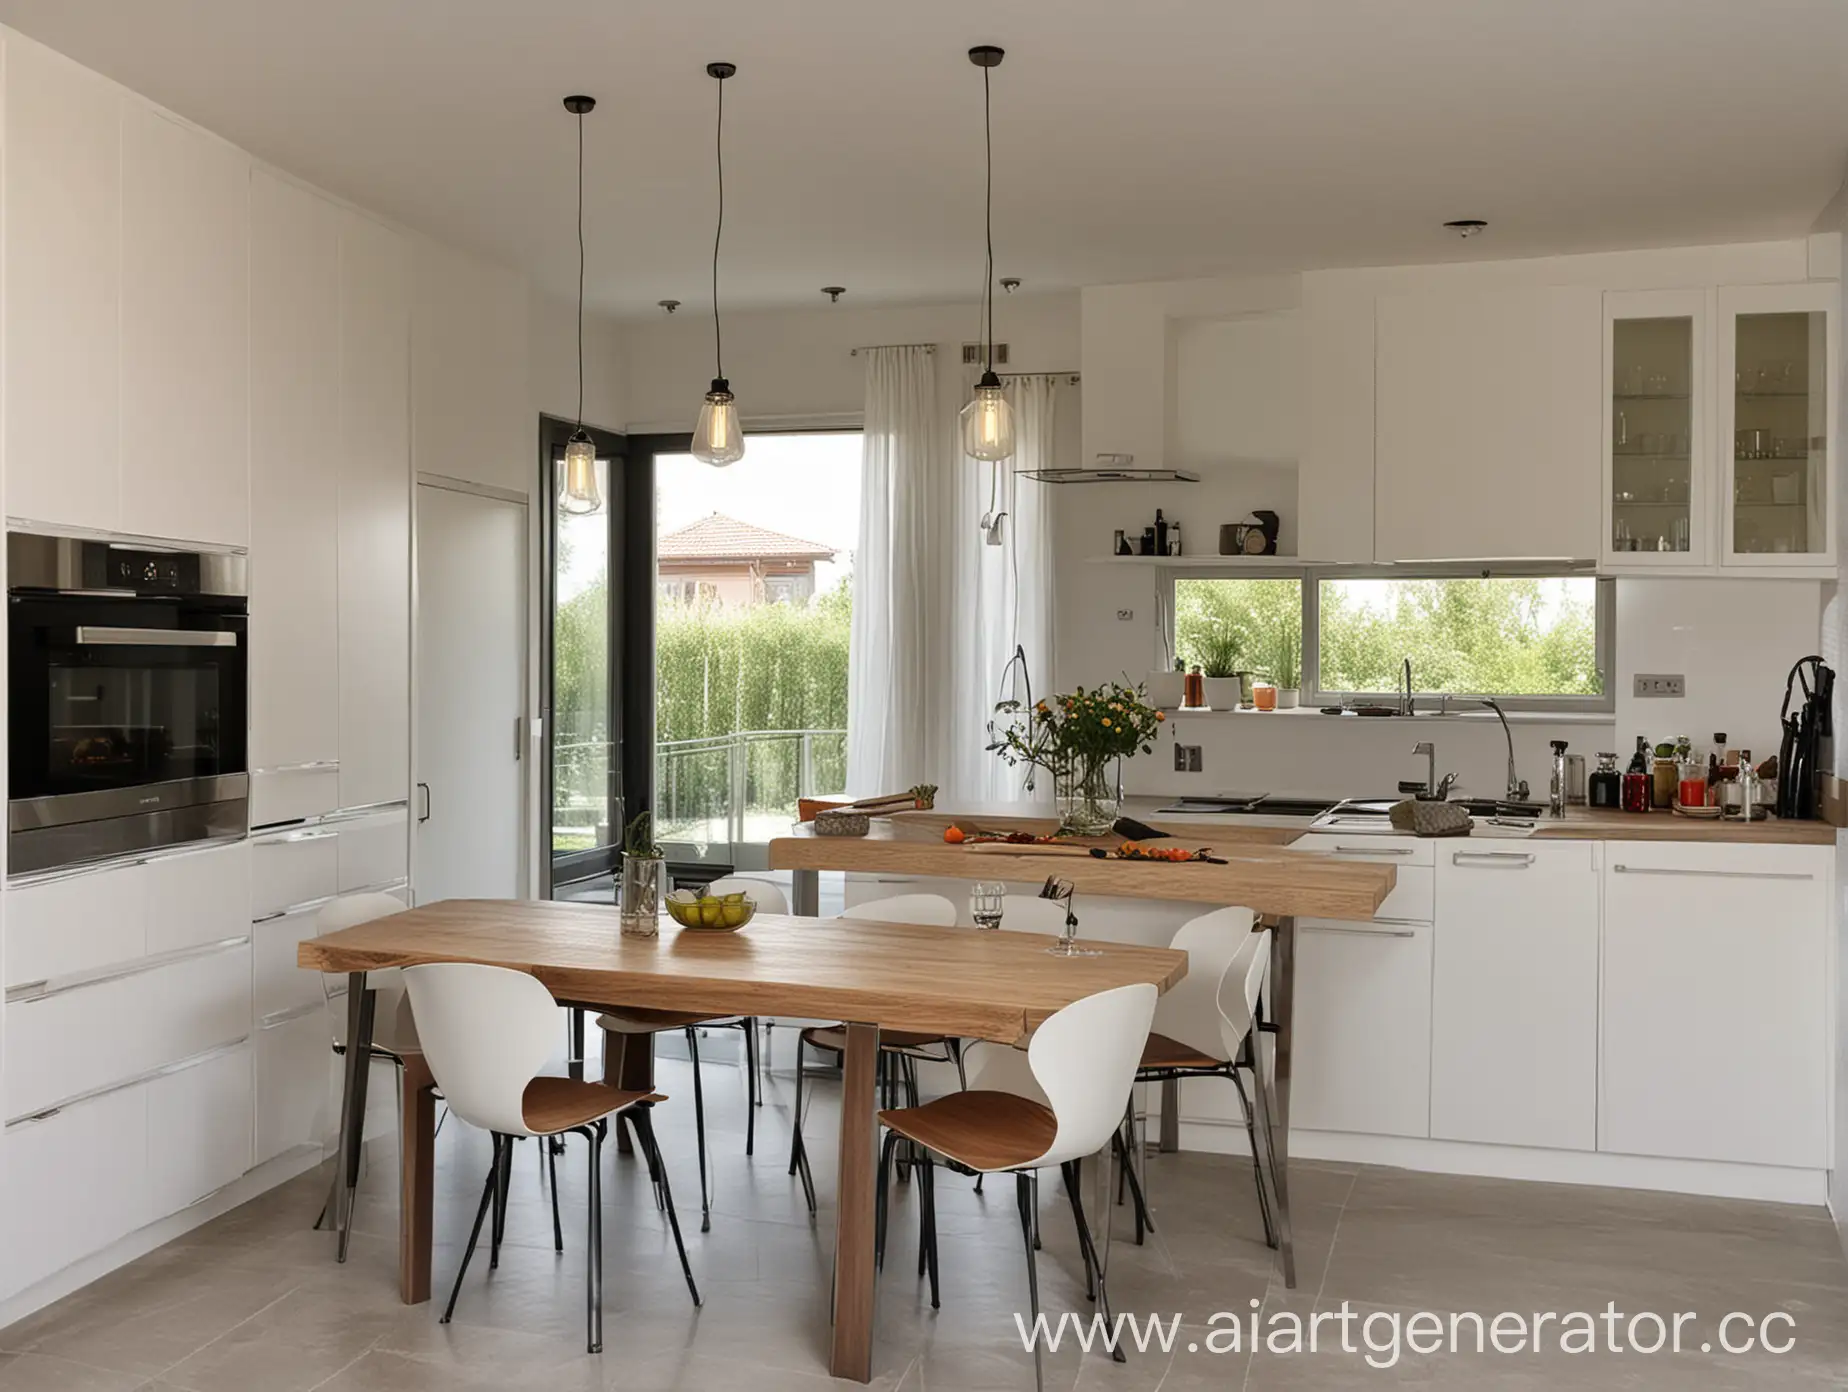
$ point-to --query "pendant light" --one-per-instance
(988, 421)
(716, 439)
(578, 493)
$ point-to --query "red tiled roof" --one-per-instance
(719, 537)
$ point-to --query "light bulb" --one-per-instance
(716, 439)
(988, 422)
(579, 494)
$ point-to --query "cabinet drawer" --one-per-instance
(277, 985)
(293, 794)
(1414, 895)
(1388, 850)
(79, 923)
(78, 1038)
(293, 867)
(295, 1093)
(374, 850)
(1362, 1059)
(197, 897)
(200, 1120)
(74, 1184)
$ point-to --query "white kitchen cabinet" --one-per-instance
(1658, 479)
(1779, 356)
(374, 849)
(197, 897)
(63, 198)
(374, 516)
(295, 391)
(75, 1183)
(1362, 1053)
(1486, 424)
(201, 1118)
(290, 868)
(1514, 995)
(295, 1104)
(1715, 1038)
(185, 332)
(1335, 474)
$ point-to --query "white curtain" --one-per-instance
(1003, 597)
(895, 670)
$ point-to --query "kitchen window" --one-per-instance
(1533, 641)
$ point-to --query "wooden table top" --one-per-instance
(997, 986)
(1262, 878)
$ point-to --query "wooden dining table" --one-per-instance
(981, 985)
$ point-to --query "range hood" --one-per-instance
(1112, 468)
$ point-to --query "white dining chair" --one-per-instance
(394, 1034)
(899, 1050)
(1083, 1060)
(486, 1033)
(768, 898)
(1203, 1030)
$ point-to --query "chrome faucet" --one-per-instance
(1435, 789)
(1517, 786)
(1405, 696)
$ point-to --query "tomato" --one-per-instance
(954, 835)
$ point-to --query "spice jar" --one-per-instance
(1605, 786)
(1193, 690)
(1636, 790)
(1693, 790)
(1664, 773)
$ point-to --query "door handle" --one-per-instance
(1709, 874)
(426, 808)
(1359, 932)
(96, 637)
(1492, 860)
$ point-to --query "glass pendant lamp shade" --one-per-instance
(717, 439)
(579, 493)
(988, 422)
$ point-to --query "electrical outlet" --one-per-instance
(1125, 615)
(1661, 684)
(1186, 758)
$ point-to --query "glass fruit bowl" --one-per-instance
(725, 913)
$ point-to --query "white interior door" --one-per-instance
(471, 661)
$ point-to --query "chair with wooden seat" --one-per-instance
(1083, 1061)
(486, 1032)
(899, 1050)
(1203, 1029)
(394, 1033)
(768, 898)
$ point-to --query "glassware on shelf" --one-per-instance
(986, 902)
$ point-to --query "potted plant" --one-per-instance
(644, 876)
(1226, 686)
(1286, 670)
(1081, 739)
(1166, 688)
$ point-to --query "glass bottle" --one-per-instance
(1605, 786)
(1639, 761)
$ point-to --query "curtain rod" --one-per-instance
(867, 348)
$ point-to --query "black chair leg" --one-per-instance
(1023, 1199)
(699, 1132)
(593, 1273)
(474, 1236)
(1074, 1181)
(1257, 1165)
(879, 1198)
(551, 1161)
(503, 1179)
(644, 1126)
(1084, 1251)
(1144, 1223)
(927, 1229)
(798, 1151)
(751, 1100)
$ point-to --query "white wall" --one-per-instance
(552, 364)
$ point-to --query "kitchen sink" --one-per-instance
(1496, 807)
(1251, 805)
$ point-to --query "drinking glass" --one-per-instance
(985, 904)
(1067, 945)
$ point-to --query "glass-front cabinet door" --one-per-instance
(1778, 359)
(1657, 483)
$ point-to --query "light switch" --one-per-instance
(1660, 684)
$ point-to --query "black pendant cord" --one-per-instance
(580, 241)
(988, 217)
(718, 231)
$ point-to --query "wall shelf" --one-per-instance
(1111, 475)
(1208, 562)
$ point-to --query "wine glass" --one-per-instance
(985, 904)
(1067, 945)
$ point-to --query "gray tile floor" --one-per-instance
(254, 1302)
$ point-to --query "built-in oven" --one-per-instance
(127, 724)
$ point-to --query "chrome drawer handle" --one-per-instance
(1492, 860)
(1360, 932)
(45, 990)
(1712, 874)
(92, 636)
(1374, 850)
(147, 1076)
(296, 838)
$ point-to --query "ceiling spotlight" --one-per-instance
(1010, 283)
(834, 292)
(669, 305)
(1466, 227)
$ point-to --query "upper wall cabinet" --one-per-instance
(185, 332)
(63, 192)
(1334, 480)
(1718, 455)
(1779, 354)
(1486, 425)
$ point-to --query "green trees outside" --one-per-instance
(1477, 636)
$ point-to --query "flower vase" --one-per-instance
(642, 879)
(1087, 795)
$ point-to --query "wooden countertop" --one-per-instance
(1266, 878)
(1602, 824)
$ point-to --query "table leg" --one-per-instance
(360, 1003)
(805, 893)
(416, 1179)
(1283, 1018)
(1170, 1133)
(852, 1354)
(628, 1063)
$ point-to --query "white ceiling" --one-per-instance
(1135, 139)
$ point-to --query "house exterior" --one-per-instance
(721, 560)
